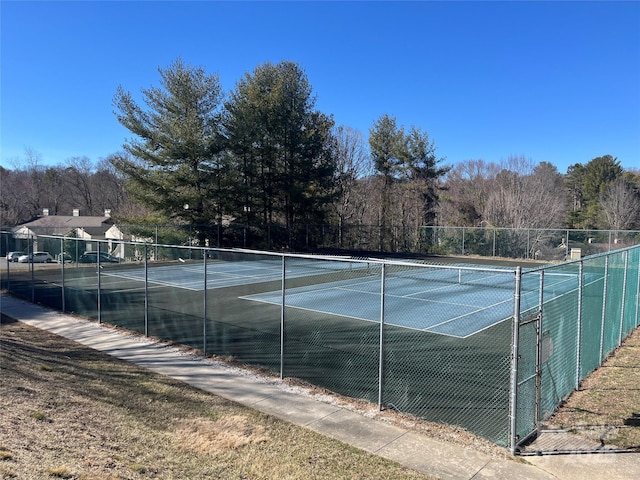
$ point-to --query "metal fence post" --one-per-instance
(538, 385)
(494, 241)
(579, 342)
(513, 408)
(381, 346)
(8, 268)
(624, 296)
(282, 336)
(462, 240)
(31, 264)
(146, 292)
(637, 322)
(62, 273)
(204, 306)
(98, 299)
(604, 305)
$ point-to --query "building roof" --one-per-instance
(63, 224)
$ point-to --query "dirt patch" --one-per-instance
(214, 436)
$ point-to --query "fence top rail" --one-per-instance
(338, 258)
(379, 261)
(528, 229)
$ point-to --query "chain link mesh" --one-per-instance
(433, 341)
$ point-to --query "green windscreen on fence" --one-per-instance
(331, 324)
(558, 334)
(631, 296)
(592, 313)
(613, 303)
(586, 309)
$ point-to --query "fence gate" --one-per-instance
(527, 388)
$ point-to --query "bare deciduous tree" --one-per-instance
(352, 165)
(525, 196)
(78, 173)
(469, 185)
(620, 204)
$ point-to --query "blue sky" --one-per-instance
(551, 81)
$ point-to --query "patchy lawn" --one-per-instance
(607, 405)
(72, 412)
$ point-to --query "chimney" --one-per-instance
(76, 212)
(107, 212)
(45, 212)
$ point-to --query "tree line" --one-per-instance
(263, 154)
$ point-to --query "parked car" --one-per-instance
(64, 258)
(36, 257)
(92, 257)
(13, 256)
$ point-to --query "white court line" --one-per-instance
(342, 315)
(273, 299)
(408, 297)
(314, 310)
(471, 313)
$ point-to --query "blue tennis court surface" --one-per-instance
(435, 301)
(456, 310)
(225, 274)
(191, 277)
(444, 309)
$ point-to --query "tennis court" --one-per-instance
(448, 301)
(434, 341)
(439, 301)
(220, 274)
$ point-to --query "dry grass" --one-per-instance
(607, 405)
(71, 412)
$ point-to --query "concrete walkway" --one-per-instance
(411, 449)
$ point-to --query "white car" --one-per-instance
(36, 257)
(13, 256)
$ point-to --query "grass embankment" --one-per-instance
(71, 412)
(607, 405)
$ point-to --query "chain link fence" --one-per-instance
(532, 244)
(573, 316)
(493, 350)
(527, 243)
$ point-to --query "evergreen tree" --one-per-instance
(280, 146)
(177, 165)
